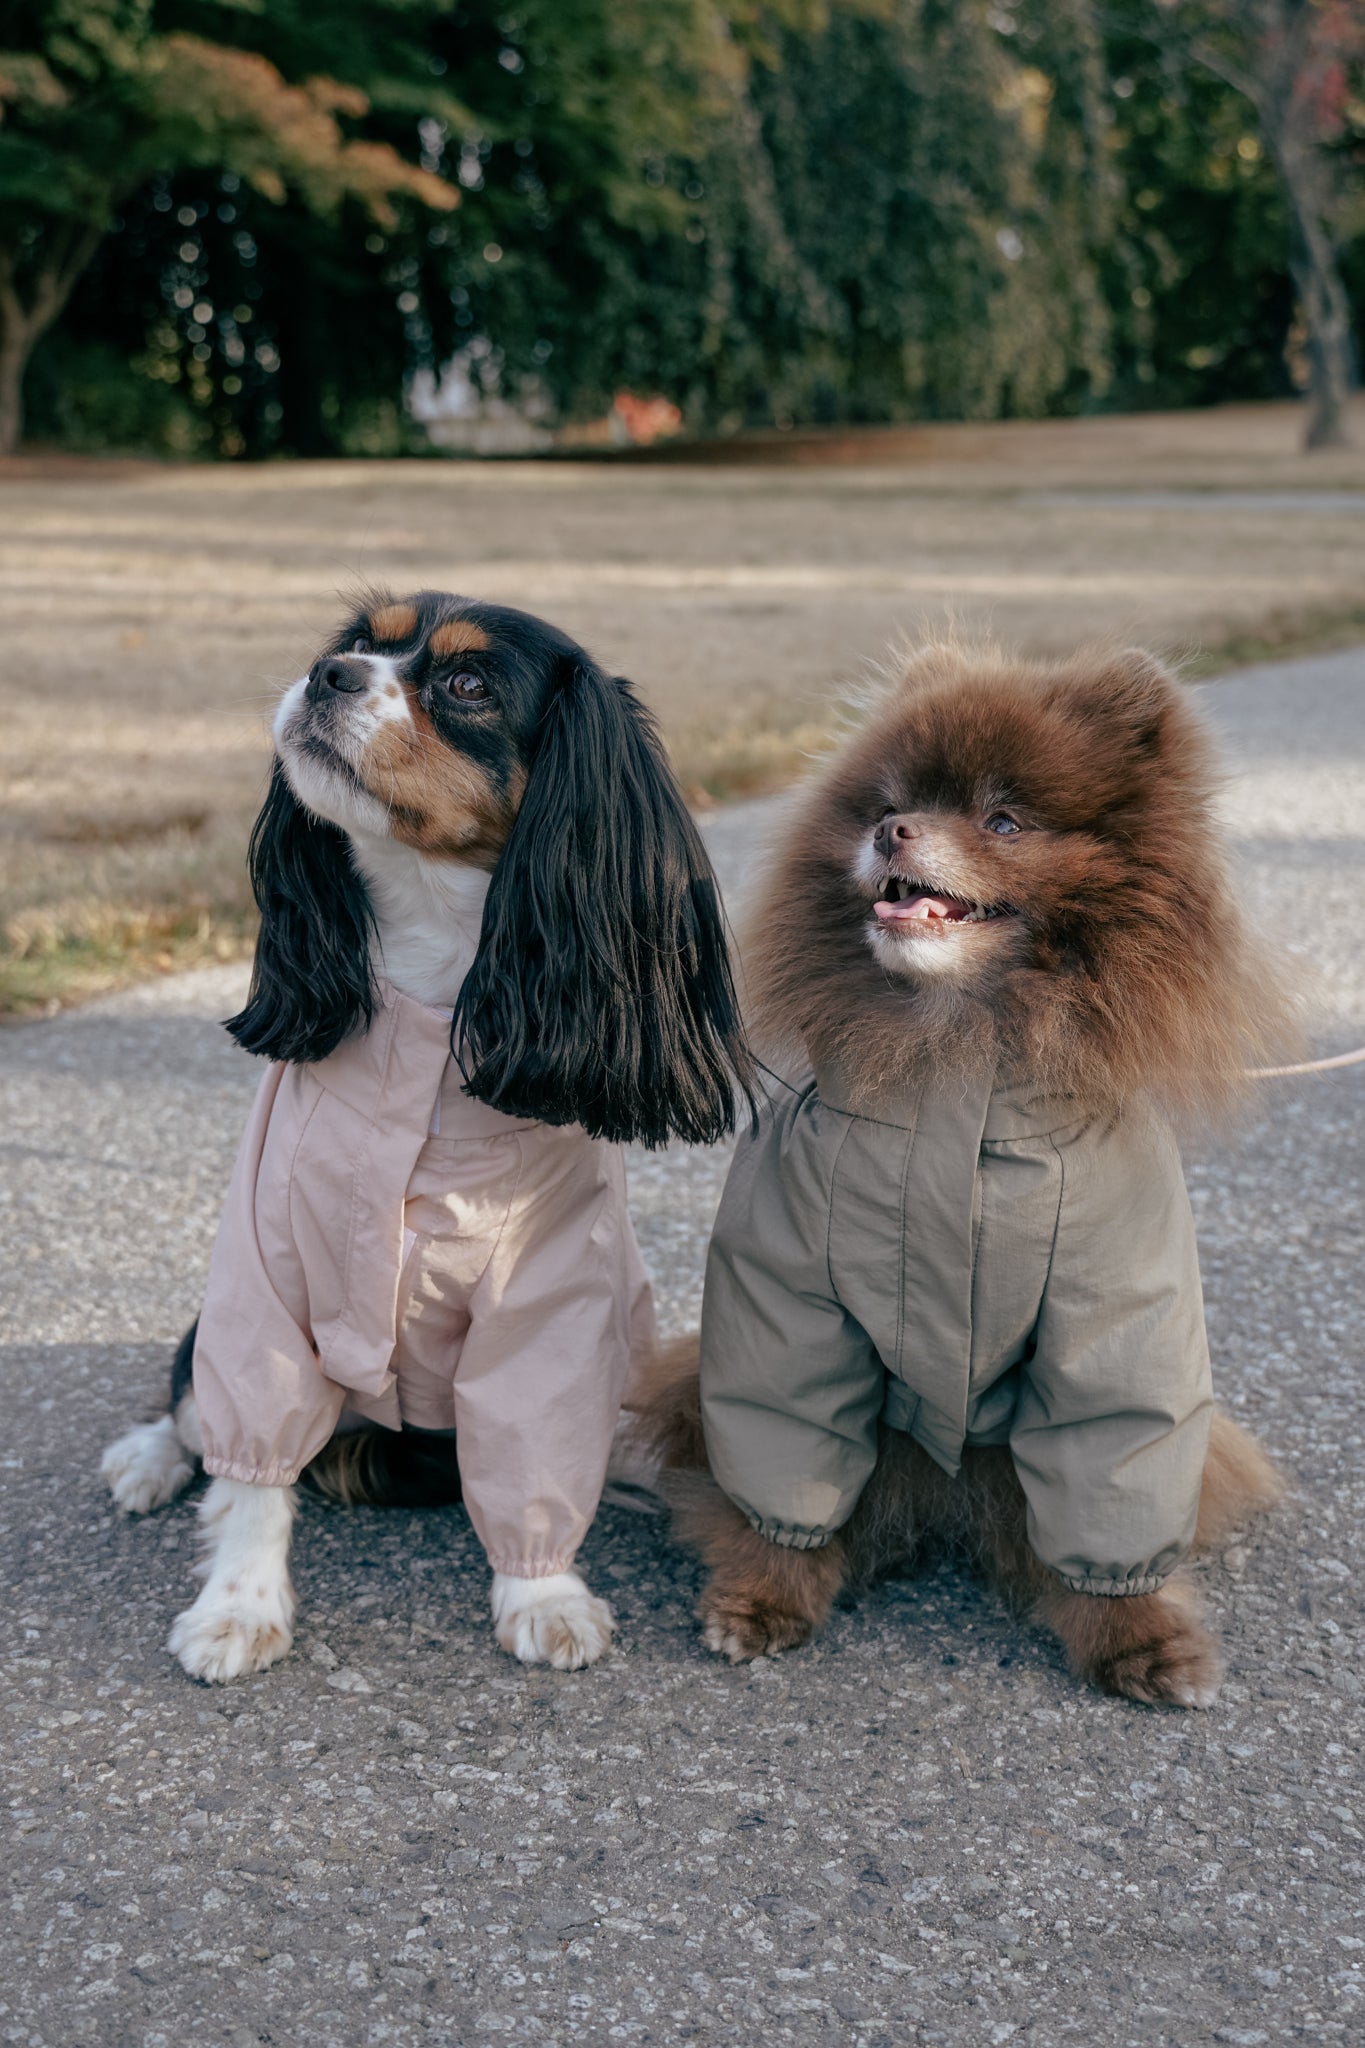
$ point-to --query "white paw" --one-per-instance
(228, 1633)
(147, 1467)
(551, 1621)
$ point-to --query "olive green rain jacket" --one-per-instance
(971, 1265)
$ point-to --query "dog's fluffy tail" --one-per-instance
(665, 1409)
(385, 1468)
(1239, 1482)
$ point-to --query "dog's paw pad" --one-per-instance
(567, 1632)
(742, 1632)
(217, 1639)
(147, 1467)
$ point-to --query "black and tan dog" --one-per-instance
(491, 950)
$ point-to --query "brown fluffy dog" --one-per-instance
(1011, 870)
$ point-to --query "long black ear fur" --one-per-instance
(601, 993)
(311, 984)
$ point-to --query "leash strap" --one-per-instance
(1341, 1059)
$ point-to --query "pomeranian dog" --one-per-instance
(953, 1295)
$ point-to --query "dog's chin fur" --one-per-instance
(1125, 969)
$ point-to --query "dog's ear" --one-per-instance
(311, 984)
(601, 993)
(1136, 694)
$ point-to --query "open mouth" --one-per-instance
(916, 906)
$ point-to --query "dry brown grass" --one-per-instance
(153, 613)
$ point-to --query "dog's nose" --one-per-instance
(334, 674)
(893, 832)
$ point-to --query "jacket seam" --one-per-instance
(294, 1164)
(502, 1227)
(1026, 1138)
(902, 1234)
(829, 1214)
(344, 1319)
(978, 1183)
(1056, 1221)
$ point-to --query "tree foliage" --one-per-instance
(1297, 69)
(267, 216)
(99, 96)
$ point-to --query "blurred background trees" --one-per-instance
(241, 230)
(1297, 65)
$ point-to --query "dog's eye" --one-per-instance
(1003, 823)
(361, 645)
(467, 688)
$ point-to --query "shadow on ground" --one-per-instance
(916, 1830)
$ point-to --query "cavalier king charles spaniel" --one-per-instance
(467, 820)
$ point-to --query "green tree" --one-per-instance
(550, 123)
(1196, 272)
(1299, 65)
(896, 212)
(97, 97)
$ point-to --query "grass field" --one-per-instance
(153, 613)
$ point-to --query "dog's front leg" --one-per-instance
(554, 1620)
(243, 1619)
(1147, 1646)
(761, 1597)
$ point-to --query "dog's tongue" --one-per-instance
(922, 908)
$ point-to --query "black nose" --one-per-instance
(893, 833)
(335, 673)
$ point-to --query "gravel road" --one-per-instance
(917, 1830)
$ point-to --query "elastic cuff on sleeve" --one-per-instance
(533, 1567)
(791, 1539)
(252, 1475)
(1115, 1589)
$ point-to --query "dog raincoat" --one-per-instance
(971, 1265)
(391, 1247)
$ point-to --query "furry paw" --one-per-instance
(225, 1635)
(1151, 1647)
(147, 1467)
(740, 1627)
(554, 1620)
(1184, 1669)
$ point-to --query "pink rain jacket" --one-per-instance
(392, 1248)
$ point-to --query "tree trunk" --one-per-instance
(1279, 74)
(1329, 353)
(14, 357)
(23, 326)
(1326, 310)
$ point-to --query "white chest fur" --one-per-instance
(427, 916)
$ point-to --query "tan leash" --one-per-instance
(1341, 1059)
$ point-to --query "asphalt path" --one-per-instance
(916, 1830)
